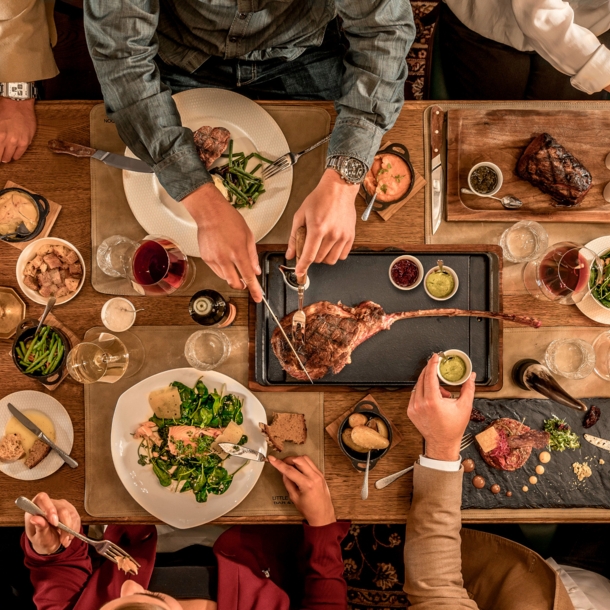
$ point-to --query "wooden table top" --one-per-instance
(66, 181)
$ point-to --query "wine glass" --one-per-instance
(155, 265)
(562, 274)
(106, 358)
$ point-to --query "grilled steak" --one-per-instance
(211, 142)
(537, 439)
(333, 332)
(550, 167)
(503, 457)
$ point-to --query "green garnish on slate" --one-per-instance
(562, 437)
(194, 468)
(41, 354)
(244, 187)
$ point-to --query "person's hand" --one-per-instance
(44, 536)
(225, 241)
(17, 128)
(329, 214)
(307, 489)
(440, 419)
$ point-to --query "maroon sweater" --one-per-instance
(259, 568)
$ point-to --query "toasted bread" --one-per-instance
(37, 453)
(285, 427)
(11, 448)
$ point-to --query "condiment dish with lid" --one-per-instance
(435, 286)
(395, 278)
(454, 360)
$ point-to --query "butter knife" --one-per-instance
(243, 452)
(437, 119)
(32, 427)
(602, 443)
(120, 161)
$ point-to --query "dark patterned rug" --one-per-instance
(374, 567)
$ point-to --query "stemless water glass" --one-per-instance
(562, 274)
(155, 265)
(570, 358)
(601, 346)
(207, 349)
(523, 242)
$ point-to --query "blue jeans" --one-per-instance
(317, 74)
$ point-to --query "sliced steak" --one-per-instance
(537, 439)
(211, 142)
(556, 172)
(503, 457)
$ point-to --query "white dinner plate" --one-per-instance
(181, 510)
(252, 130)
(28, 400)
(589, 306)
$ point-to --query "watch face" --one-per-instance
(18, 90)
(354, 170)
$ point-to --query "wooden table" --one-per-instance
(66, 181)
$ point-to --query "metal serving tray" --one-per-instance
(392, 358)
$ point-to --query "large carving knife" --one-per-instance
(437, 119)
(299, 319)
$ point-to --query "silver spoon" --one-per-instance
(364, 494)
(46, 312)
(441, 266)
(509, 202)
(369, 208)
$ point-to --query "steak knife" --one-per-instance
(602, 443)
(120, 161)
(298, 318)
(32, 427)
(243, 452)
(437, 119)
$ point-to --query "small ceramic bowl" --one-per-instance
(465, 357)
(456, 283)
(120, 302)
(498, 172)
(420, 270)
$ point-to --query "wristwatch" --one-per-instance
(350, 169)
(18, 92)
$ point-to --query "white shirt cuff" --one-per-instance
(595, 74)
(440, 464)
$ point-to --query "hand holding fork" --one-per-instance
(289, 159)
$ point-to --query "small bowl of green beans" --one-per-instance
(40, 355)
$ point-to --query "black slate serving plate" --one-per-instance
(392, 358)
(558, 487)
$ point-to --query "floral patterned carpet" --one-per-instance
(374, 567)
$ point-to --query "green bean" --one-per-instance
(30, 347)
(22, 346)
(36, 362)
(38, 366)
(230, 151)
(19, 352)
(244, 174)
(261, 158)
(58, 358)
(256, 168)
(236, 191)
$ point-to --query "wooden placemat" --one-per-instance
(333, 427)
(111, 214)
(479, 232)
(105, 495)
(54, 210)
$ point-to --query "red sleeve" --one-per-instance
(58, 579)
(325, 586)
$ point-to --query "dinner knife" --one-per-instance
(437, 118)
(120, 161)
(243, 452)
(602, 443)
(32, 427)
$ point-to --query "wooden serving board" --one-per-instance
(501, 136)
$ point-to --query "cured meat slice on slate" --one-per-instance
(211, 142)
(503, 457)
(537, 439)
(333, 332)
(556, 172)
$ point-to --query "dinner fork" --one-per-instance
(289, 159)
(467, 440)
(107, 549)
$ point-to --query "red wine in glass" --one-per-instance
(565, 271)
(159, 266)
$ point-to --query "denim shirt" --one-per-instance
(124, 36)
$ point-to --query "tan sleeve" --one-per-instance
(433, 562)
(25, 41)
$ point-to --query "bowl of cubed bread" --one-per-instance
(365, 430)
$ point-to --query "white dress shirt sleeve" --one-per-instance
(549, 27)
(440, 464)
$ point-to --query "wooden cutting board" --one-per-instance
(501, 136)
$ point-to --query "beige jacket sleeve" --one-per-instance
(433, 561)
(27, 34)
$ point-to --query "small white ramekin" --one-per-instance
(456, 283)
(420, 269)
(465, 357)
(496, 169)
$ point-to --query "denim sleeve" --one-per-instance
(123, 44)
(380, 34)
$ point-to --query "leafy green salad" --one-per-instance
(181, 450)
(562, 437)
(601, 291)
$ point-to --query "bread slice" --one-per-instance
(11, 448)
(285, 427)
(37, 453)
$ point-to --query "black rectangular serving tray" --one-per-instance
(392, 358)
(558, 486)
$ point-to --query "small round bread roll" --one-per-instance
(347, 439)
(357, 419)
(368, 438)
